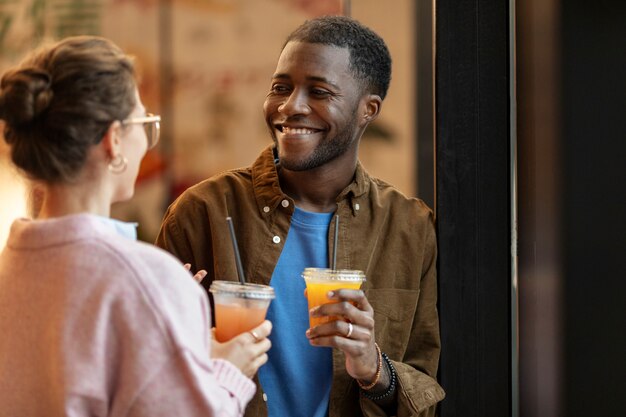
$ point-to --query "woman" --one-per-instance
(93, 322)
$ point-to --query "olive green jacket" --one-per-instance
(382, 232)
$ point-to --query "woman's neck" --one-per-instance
(66, 199)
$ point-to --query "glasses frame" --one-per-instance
(153, 139)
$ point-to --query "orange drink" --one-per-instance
(239, 307)
(236, 319)
(321, 280)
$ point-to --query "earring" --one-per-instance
(118, 164)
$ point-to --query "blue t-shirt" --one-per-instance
(297, 378)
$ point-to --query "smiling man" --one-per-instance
(381, 358)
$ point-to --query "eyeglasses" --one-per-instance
(151, 124)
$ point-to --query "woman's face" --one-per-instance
(134, 144)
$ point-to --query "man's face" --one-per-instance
(313, 105)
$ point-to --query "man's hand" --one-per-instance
(354, 334)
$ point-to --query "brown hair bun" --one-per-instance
(25, 94)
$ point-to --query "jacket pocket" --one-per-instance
(394, 310)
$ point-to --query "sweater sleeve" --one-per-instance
(185, 386)
(167, 344)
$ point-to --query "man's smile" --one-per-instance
(296, 130)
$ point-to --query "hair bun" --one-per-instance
(24, 95)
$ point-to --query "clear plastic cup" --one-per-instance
(239, 307)
(321, 280)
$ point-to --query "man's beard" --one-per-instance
(325, 151)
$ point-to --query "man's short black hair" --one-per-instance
(369, 57)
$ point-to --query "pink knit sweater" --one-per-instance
(94, 324)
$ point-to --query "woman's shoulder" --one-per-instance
(152, 280)
(149, 265)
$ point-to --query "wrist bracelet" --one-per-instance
(369, 386)
(392, 385)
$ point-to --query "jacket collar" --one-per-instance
(266, 185)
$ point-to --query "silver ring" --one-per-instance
(350, 328)
(256, 336)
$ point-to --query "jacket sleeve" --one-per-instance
(187, 234)
(418, 391)
(172, 238)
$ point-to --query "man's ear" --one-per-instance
(111, 140)
(371, 107)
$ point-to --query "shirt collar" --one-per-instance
(126, 229)
(266, 184)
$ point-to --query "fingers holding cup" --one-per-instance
(320, 282)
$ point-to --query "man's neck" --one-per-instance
(317, 189)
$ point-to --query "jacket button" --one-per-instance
(266, 209)
(265, 397)
(357, 206)
(285, 203)
(276, 239)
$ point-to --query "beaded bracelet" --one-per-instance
(366, 387)
(392, 385)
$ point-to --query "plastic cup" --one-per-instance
(239, 307)
(321, 280)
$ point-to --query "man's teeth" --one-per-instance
(297, 130)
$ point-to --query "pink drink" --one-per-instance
(239, 308)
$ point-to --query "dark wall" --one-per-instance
(472, 62)
(574, 228)
(594, 206)
(424, 94)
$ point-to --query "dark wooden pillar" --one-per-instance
(424, 99)
(593, 86)
(473, 205)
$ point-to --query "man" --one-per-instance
(330, 82)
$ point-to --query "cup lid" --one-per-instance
(247, 290)
(327, 274)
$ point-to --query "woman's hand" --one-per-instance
(199, 275)
(247, 351)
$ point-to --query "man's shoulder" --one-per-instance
(390, 196)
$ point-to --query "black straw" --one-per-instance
(233, 239)
(335, 242)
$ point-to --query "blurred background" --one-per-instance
(205, 66)
(530, 120)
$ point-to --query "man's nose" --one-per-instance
(295, 103)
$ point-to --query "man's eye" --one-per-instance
(319, 92)
(279, 88)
